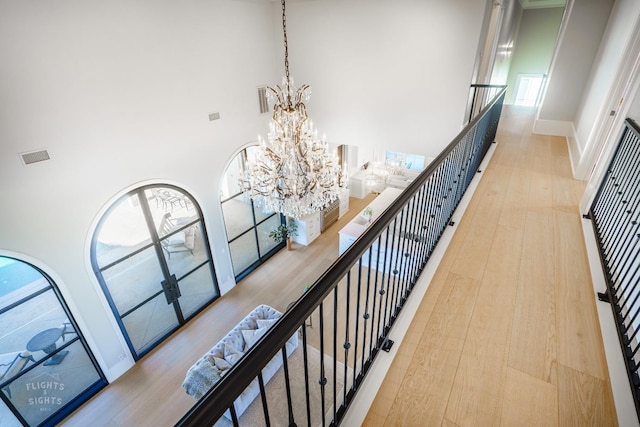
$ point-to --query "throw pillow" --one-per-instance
(231, 355)
(222, 364)
(176, 239)
(266, 323)
(251, 336)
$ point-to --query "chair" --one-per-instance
(181, 241)
(11, 364)
(67, 329)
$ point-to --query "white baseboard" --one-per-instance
(553, 127)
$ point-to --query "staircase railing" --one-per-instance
(615, 215)
(479, 96)
(345, 316)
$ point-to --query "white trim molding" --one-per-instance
(553, 127)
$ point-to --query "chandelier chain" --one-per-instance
(286, 53)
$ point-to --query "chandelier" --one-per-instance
(292, 172)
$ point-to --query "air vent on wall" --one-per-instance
(34, 157)
(262, 100)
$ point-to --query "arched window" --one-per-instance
(151, 255)
(46, 368)
(247, 226)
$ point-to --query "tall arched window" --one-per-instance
(151, 255)
(46, 367)
(247, 226)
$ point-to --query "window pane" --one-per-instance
(168, 205)
(231, 179)
(134, 280)
(47, 388)
(22, 323)
(260, 214)
(195, 289)
(123, 232)
(244, 252)
(237, 216)
(17, 281)
(150, 322)
(267, 243)
(185, 250)
(7, 419)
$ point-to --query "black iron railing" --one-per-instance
(479, 97)
(346, 315)
(615, 215)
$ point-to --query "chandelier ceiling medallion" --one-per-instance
(292, 172)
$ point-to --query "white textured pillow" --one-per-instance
(221, 364)
(177, 239)
(252, 335)
(231, 355)
(266, 323)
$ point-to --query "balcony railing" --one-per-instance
(344, 318)
(479, 96)
(615, 215)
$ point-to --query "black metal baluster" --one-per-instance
(287, 386)
(323, 379)
(366, 315)
(305, 359)
(356, 319)
(263, 397)
(335, 350)
(374, 338)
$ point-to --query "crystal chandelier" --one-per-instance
(292, 172)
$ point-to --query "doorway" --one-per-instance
(151, 256)
(528, 89)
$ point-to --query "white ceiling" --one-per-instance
(534, 4)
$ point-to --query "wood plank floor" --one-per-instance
(507, 333)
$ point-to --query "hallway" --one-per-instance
(507, 333)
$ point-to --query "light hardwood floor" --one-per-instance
(507, 333)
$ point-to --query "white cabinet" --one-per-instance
(308, 228)
(344, 201)
(358, 184)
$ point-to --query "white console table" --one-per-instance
(354, 229)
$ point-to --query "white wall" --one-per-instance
(386, 74)
(512, 18)
(576, 51)
(119, 93)
(593, 107)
